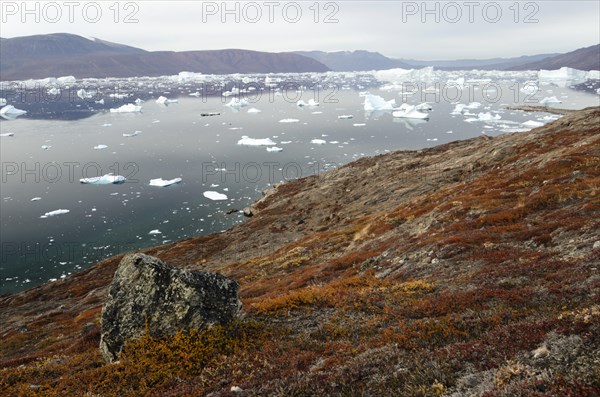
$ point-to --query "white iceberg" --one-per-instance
(550, 101)
(66, 80)
(108, 179)
(55, 213)
(246, 141)
(424, 106)
(460, 107)
(7, 134)
(164, 101)
(311, 103)
(410, 112)
(530, 88)
(46, 147)
(135, 133)
(237, 103)
(375, 102)
(154, 232)
(274, 149)
(83, 94)
(532, 124)
(215, 196)
(484, 117)
(289, 121)
(254, 110)
(100, 147)
(159, 182)
(318, 142)
(345, 117)
(54, 91)
(128, 108)
(36, 199)
(9, 112)
(563, 77)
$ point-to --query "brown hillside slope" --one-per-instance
(466, 269)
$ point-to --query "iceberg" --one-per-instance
(55, 213)
(83, 94)
(311, 103)
(550, 101)
(237, 103)
(100, 147)
(375, 102)
(254, 110)
(128, 108)
(66, 80)
(108, 179)
(164, 101)
(36, 199)
(135, 133)
(318, 142)
(410, 112)
(9, 112)
(563, 77)
(289, 121)
(424, 106)
(6, 134)
(274, 149)
(215, 196)
(246, 141)
(159, 182)
(53, 91)
(155, 231)
(532, 124)
(460, 107)
(484, 117)
(345, 116)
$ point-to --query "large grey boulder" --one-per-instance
(146, 290)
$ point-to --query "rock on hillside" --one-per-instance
(147, 295)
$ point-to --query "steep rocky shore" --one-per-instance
(466, 269)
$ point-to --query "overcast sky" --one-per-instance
(399, 29)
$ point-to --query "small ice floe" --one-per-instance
(317, 112)
(375, 102)
(54, 91)
(237, 103)
(359, 125)
(83, 94)
(107, 125)
(274, 149)
(46, 147)
(532, 124)
(100, 147)
(9, 112)
(128, 108)
(550, 100)
(159, 182)
(410, 112)
(154, 232)
(246, 141)
(139, 101)
(484, 117)
(254, 110)
(108, 179)
(6, 134)
(215, 196)
(289, 121)
(162, 100)
(318, 142)
(55, 213)
(135, 133)
(345, 116)
(530, 88)
(196, 94)
(432, 139)
(461, 108)
(311, 103)
(36, 199)
(100, 102)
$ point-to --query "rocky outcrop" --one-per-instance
(146, 293)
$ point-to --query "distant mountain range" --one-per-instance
(66, 54)
(63, 54)
(584, 59)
